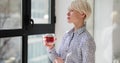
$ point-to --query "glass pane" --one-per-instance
(36, 50)
(40, 11)
(11, 50)
(10, 14)
(116, 31)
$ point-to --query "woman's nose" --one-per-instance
(68, 13)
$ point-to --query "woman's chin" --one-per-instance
(69, 21)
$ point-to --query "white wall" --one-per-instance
(61, 19)
(102, 30)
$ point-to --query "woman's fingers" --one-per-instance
(59, 60)
(49, 45)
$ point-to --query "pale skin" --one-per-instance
(77, 19)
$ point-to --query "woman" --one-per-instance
(77, 45)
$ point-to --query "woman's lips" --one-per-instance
(68, 17)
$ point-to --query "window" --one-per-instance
(22, 24)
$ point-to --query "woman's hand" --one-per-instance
(49, 40)
(49, 45)
(58, 60)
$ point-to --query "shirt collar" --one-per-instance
(79, 31)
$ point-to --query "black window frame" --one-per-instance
(29, 28)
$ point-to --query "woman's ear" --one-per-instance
(83, 15)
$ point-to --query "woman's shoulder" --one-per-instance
(86, 37)
(88, 40)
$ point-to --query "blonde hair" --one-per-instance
(82, 6)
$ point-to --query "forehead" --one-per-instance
(73, 9)
(70, 8)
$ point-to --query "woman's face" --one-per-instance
(74, 16)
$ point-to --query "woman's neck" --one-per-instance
(78, 25)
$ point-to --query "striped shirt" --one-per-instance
(76, 47)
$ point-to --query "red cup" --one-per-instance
(49, 38)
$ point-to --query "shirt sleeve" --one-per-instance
(52, 54)
(88, 51)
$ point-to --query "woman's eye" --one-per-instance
(72, 10)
